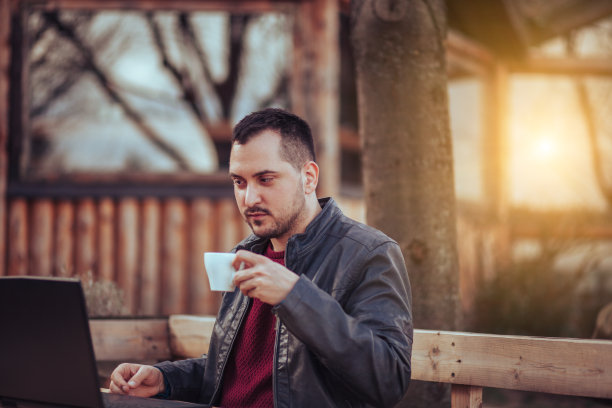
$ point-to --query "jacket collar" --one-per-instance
(299, 243)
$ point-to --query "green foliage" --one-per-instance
(545, 295)
(526, 298)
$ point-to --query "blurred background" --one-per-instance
(118, 126)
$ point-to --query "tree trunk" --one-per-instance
(407, 154)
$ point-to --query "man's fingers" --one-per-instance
(247, 286)
(115, 389)
(141, 375)
(120, 374)
(248, 258)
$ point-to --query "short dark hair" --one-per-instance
(297, 145)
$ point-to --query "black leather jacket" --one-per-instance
(343, 334)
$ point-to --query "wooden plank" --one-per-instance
(64, 239)
(18, 237)
(557, 366)
(41, 241)
(559, 18)
(150, 289)
(106, 239)
(85, 238)
(465, 56)
(203, 224)
(5, 57)
(190, 335)
(563, 66)
(130, 339)
(527, 229)
(174, 259)
(464, 47)
(469, 361)
(465, 396)
(127, 252)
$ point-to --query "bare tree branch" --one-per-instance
(63, 80)
(227, 89)
(189, 34)
(182, 79)
(64, 86)
(281, 87)
(67, 74)
(69, 33)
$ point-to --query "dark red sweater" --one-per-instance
(247, 381)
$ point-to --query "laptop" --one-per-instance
(46, 352)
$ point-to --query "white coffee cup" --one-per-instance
(220, 270)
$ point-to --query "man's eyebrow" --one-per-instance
(259, 173)
(263, 172)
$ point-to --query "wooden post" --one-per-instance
(174, 261)
(64, 239)
(466, 396)
(495, 153)
(85, 237)
(106, 240)
(127, 252)
(494, 146)
(150, 289)
(314, 92)
(203, 228)
(5, 58)
(18, 237)
(41, 238)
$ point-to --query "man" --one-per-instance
(321, 314)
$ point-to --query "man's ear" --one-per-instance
(310, 177)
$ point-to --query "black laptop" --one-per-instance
(46, 353)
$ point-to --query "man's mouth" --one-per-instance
(256, 213)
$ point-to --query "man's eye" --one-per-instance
(266, 179)
(237, 182)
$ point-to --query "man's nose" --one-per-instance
(251, 196)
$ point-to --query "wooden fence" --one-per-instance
(151, 248)
(468, 361)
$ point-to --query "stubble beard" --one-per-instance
(282, 224)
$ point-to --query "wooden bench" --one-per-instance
(468, 361)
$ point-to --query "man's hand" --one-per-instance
(262, 278)
(136, 379)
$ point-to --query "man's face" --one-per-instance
(269, 190)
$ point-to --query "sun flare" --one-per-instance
(545, 148)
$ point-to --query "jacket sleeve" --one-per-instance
(185, 378)
(365, 342)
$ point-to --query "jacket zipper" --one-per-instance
(276, 346)
(275, 362)
(244, 313)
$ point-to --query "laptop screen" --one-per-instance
(46, 353)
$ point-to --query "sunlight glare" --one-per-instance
(545, 148)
